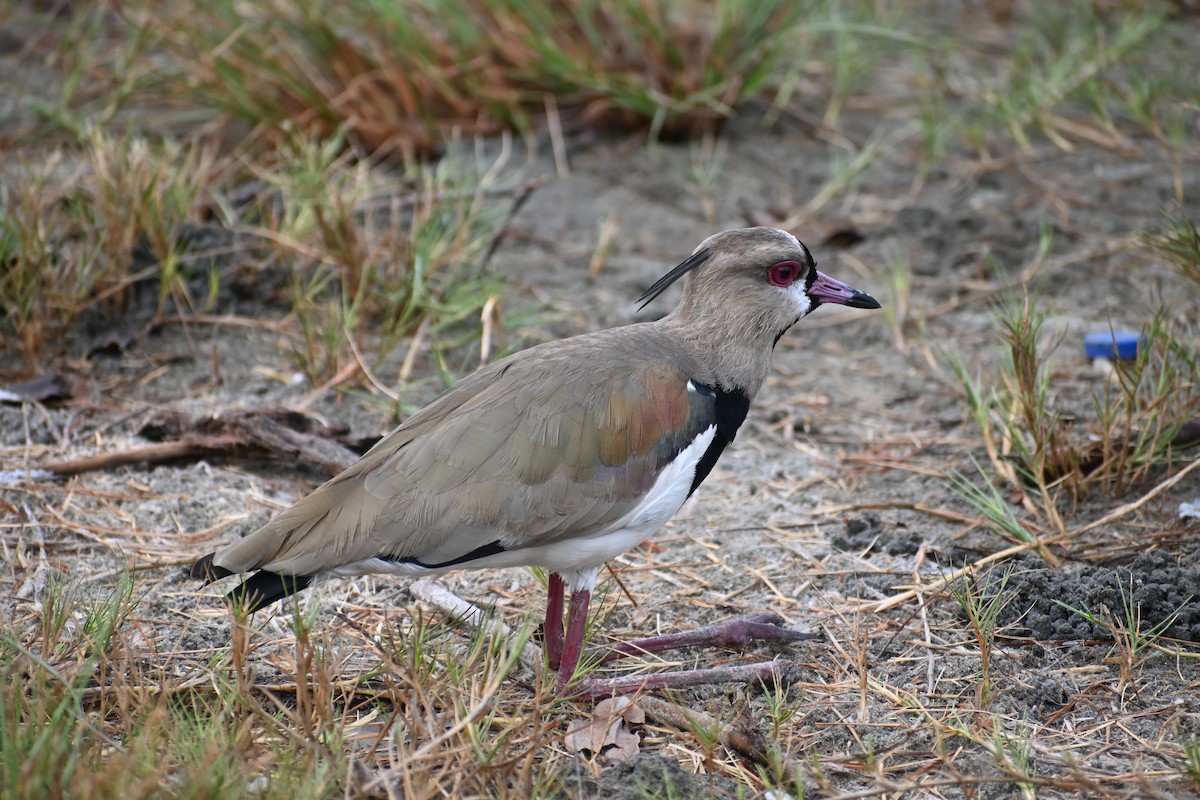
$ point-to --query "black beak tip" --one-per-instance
(862, 300)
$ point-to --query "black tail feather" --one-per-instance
(264, 588)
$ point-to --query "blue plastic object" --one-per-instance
(1112, 345)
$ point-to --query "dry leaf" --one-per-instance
(608, 734)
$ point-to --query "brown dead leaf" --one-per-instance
(609, 734)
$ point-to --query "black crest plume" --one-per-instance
(696, 259)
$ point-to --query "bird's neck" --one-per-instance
(730, 358)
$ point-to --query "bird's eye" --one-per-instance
(784, 273)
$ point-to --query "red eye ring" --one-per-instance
(784, 273)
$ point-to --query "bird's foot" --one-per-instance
(765, 673)
(734, 634)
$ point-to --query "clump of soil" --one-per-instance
(868, 533)
(1155, 586)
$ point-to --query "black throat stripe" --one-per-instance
(731, 410)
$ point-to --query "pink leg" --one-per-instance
(735, 634)
(553, 629)
(573, 644)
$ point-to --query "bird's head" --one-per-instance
(760, 281)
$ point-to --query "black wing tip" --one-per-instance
(265, 588)
(256, 592)
(483, 551)
(204, 569)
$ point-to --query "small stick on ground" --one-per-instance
(1141, 501)
(446, 601)
(188, 448)
(255, 433)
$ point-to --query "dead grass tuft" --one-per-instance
(80, 231)
(404, 77)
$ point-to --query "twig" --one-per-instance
(558, 142)
(348, 371)
(446, 601)
(366, 370)
(920, 508)
(389, 200)
(189, 447)
(923, 612)
(951, 577)
(1136, 504)
(490, 320)
(274, 432)
(414, 346)
(523, 193)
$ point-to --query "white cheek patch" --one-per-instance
(800, 297)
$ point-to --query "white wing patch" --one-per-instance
(671, 488)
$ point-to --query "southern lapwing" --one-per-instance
(560, 456)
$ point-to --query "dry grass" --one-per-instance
(1141, 422)
(1178, 241)
(323, 93)
(375, 260)
(73, 241)
(421, 71)
(91, 701)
